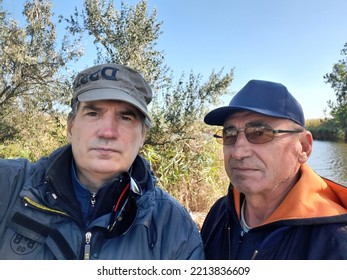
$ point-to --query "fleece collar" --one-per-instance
(311, 197)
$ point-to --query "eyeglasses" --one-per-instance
(254, 134)
(124, 210)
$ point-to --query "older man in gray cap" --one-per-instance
(95, 198)
(277, 207)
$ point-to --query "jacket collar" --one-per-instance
(60, 162)
(326, 199)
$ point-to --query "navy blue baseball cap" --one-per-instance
(263, 97)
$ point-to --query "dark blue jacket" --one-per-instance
(309, 224)
(40, 217)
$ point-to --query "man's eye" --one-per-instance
(229, 135)
(230, 132)
(257, 130)
(92, 114)
(126, 118)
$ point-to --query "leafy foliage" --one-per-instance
(35, 134)
(325, 129)
(33, 90)
(29, 62)
(127, 36)
(338, 81)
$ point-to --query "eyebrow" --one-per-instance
(257, 123)
(129, 112)
(126, 111)
(252, 123)
(91, 107)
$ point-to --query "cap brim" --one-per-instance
(219, 115)
(112, 94)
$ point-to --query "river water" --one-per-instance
(329, 159)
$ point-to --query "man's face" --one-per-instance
(105, 137)
(269, 167)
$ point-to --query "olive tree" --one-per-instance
(34, 80)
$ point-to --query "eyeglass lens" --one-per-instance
(254, 134)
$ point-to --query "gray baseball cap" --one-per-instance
(113, 82)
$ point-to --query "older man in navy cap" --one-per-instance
(277, 207)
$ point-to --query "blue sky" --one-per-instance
(293, 42)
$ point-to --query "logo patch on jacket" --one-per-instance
(21, 245)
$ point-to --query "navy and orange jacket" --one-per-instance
(310, 223)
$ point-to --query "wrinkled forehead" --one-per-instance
(241, 118)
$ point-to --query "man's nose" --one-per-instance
(241, 148)
(108, 128)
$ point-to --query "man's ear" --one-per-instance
(306, 141)
(68, 129)
(144, 134)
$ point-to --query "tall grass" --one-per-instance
(325, 129)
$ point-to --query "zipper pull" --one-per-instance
(93, 199)
(256, 252)
(87, 246)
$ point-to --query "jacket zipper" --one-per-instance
(87, 246)
(93, 199)
(256, 252)
(88, 234)
(229, 243)
(28, 201)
